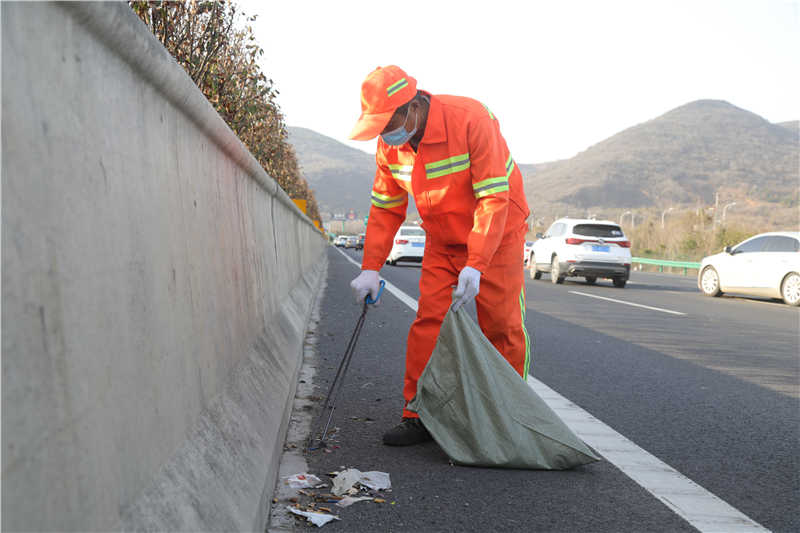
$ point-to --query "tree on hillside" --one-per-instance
(220, 56)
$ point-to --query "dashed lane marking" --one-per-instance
(629, 303)
(702, 509)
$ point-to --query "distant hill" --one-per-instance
(682, 157)
(341, 176)
(793, 125)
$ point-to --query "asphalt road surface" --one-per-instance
(708, 386)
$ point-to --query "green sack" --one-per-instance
(482, 413)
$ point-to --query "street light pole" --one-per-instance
(663, 214)
(725, 209)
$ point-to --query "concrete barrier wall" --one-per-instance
(156, 284)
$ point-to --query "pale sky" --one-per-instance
(559, 75)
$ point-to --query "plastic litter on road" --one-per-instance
(318, 519)
(350, 486)
(304, 481)
(346, 479)
(347, 501)
(375, 480)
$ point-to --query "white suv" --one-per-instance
(408, 245)
(582, 247)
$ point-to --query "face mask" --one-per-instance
(400, 135)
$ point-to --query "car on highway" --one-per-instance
(340, 241)
(582, 247)
(408, 245)
(526, 252)
(360, 242)
(351, 241)
(767, 265)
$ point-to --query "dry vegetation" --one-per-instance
(216, 46)
(688, 237)
(691, 234)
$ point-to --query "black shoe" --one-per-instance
(409, 431)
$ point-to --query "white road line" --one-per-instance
(629, 303)
(702, 509)
(403, 297)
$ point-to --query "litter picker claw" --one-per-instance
(344, 364)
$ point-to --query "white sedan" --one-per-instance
(765, 265)
(526, 252)
(408, 245)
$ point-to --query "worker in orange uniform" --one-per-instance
(448, 152)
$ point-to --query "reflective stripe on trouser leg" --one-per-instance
(500, 309)
(439, 274)
(523, 311)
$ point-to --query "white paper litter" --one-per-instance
(318, 519)
(345, 480)
(303, 481)
(347, 501)
(375, 480)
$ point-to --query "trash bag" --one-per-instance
(482, 413)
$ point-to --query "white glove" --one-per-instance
(366, 283)
(469, 285)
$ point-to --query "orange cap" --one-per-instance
(384, 90)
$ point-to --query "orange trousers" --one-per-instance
(500, 304)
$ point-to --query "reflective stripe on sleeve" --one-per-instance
(491, 186)
(387, 202)
(494, 185)
(509, 166)
(451, 165)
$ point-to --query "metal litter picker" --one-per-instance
(336, 385)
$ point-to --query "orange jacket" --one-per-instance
(467, 188)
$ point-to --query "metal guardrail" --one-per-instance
(661, 263)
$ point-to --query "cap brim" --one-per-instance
(370, 126)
